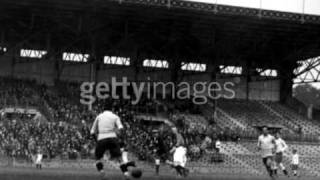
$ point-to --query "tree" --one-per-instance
(307, 94)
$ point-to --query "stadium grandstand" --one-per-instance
(217, 71)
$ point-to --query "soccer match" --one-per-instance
(159, 89)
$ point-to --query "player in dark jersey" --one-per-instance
(161, 149)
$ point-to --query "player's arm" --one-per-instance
(284, 145)
(94, 129)
(259, 144)
(172, 150)
(120, 129)
(273, 141)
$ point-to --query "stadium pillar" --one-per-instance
(136, 64)
(214, 78)
(13, 64)
(175, 72)
(286, 82)
(94, 62)
(2, 38)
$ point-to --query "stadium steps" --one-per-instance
(290, 124)
(308, 126)
(195, 120)
(230, 165)
(251, 113)
(230, 149)
(223, 119)
(234, 110)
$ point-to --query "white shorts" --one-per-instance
(266, 153)
(180, 156)
(38, 161)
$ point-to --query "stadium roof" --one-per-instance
(164, 29)
(294, 6)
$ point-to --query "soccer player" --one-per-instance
(157, 166)
(295, 162)
(126, 164)
(266, 146)
(105, 130)
(280, 147)
(161, 149)
(38, 159)
(179, 155)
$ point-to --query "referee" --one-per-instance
(105, 129)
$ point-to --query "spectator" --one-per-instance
(218, 146)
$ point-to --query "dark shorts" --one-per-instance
(267, 160)
(162, 155)
(109, 144)
(294, 167)
(279, 157)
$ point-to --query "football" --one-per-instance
(136, 173)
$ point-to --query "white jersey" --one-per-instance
(218, 144)
(295, 159)
(39, 157)
(180, 156)
(281, 145)
(105, 125)
(125, 157)
(266, 143)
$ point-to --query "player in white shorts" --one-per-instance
(266, 145)
(38, 159)
(280, 147)
(127, 167)
(295, 162)
(179, 155)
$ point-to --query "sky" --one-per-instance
(296, 6)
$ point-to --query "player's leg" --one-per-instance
(40, 163)
(183, 164)
(295, 169)
(116, 156)
(101, 147)
(274, 168)
(267, 162)
(279, 158)
(283, 168)
(274, 165)
(185, 171)
(157, 166)
(179, 165)
(175, 165)
(180, 170)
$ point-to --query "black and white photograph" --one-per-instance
(159, 89)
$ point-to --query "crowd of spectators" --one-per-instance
(22, 137)
(66, 133)
(17, 92)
